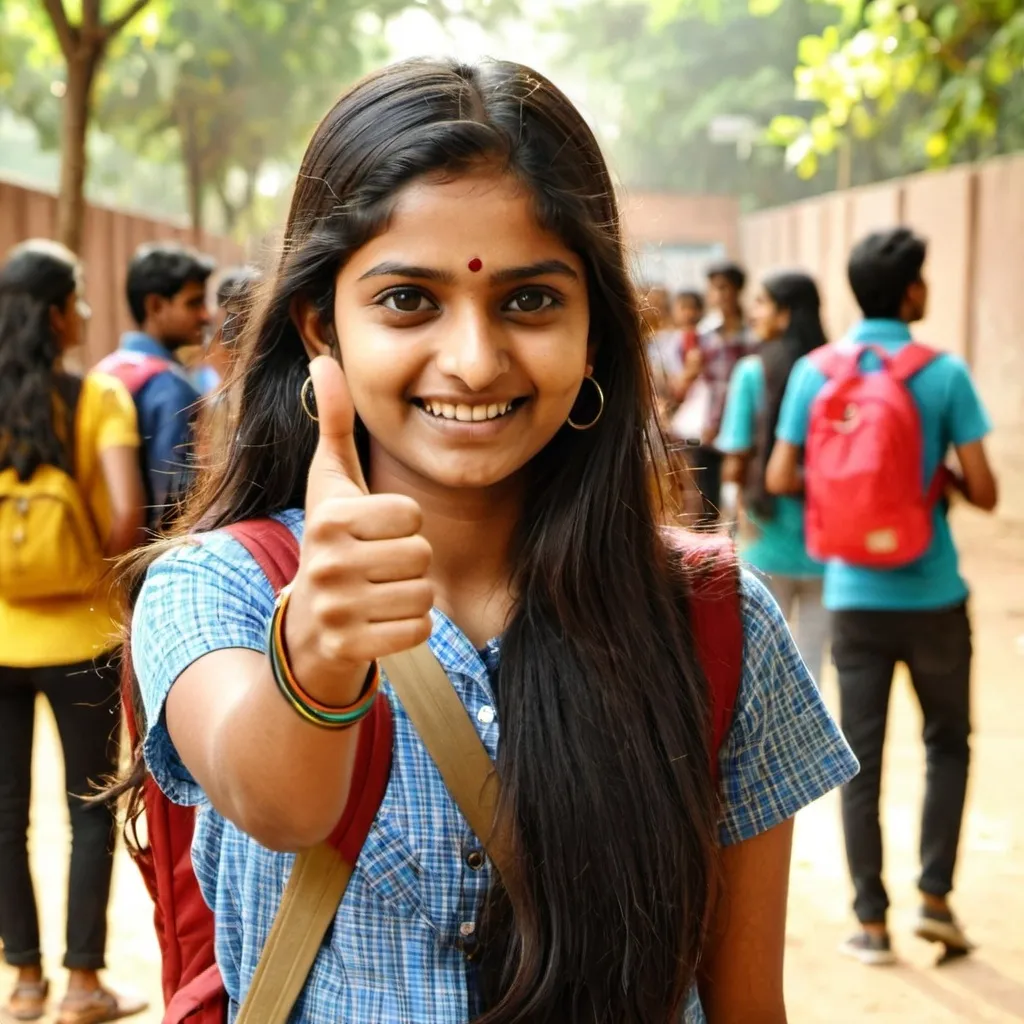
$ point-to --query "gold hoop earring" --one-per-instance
(600, 408)
(307, 396)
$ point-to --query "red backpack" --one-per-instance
(133, 369)
(193, 988)
(867, 503)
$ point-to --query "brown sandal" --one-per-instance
(28, 1000)
(97, 1007)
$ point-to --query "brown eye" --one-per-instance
(407, 300)
(530, 300)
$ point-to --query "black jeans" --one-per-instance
(84, 699)
(936, 648)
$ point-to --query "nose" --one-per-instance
(473, 348)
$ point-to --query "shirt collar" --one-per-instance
(880, 332)
(144, 344)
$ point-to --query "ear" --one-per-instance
(58, 323)
(785, 318)
(154, 305)
(311, 329)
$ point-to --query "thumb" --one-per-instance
(336, 459)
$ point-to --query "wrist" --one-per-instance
(329, 681)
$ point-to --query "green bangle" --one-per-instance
(305, 706)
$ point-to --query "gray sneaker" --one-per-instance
(942, 926)
(869, 948)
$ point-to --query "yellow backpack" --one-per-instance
(48, 541)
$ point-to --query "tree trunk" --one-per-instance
(82, 67)
(193, 167)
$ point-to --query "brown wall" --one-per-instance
(110, 238)
(974, 220)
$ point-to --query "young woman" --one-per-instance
(786, 317)
(454, 244)
(58, 641)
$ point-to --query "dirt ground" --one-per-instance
(821, 986)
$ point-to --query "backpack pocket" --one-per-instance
(48, 544)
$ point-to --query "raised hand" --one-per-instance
(361, 591)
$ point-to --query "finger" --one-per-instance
(367, 517)
(336, 468)
(390, 561)
(379, 639)
(395, 602)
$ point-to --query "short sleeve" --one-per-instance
(783, 750)
(967, 419)
(111, 412)
(805, 381)
(737, 431)
(206, 596)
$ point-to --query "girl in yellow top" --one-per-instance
(60, 645)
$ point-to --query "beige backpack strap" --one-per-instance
(320, 877)
(451, 739)
(310, 902)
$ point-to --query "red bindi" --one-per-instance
(476, 264)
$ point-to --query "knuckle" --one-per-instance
(404, 512)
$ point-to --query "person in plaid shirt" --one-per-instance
(725, 339)
(445, 400)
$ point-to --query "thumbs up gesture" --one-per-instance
(361, 591)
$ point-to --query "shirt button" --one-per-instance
(485, 715)
(475, 859)
(466, 929)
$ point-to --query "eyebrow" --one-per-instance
(509, 274)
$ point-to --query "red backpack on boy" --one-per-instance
(866, 500)
(192, 984)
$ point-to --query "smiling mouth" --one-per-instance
(464, 413)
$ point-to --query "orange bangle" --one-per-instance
(355, 709)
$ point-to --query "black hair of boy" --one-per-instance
(731, 271)
(882, 267)
(162, 268)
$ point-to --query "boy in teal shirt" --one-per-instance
(916, 613)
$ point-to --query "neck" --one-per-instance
(470, 531)
(732, 320)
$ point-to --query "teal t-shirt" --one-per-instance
(777, 544)
(951, 415)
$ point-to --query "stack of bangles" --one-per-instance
(306, 706)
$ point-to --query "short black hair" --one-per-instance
(732, 272)
(236, 285)
(163, 268)
(882, 267)
(689, 295)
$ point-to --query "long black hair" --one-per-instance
(37, 277)
(797, 294)
(604, 759)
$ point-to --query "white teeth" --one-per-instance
(467, 413)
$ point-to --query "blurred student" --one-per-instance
(166, 291)
(725, 339)
(786, 319)
(71, 496)
(876, 441)
(235, 295)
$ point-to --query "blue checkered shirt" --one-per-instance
(397, 951)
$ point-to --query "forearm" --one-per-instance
(126, 532)
(280, 779)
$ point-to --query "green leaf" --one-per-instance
(764, 8)
(946, 21)
(937, 146)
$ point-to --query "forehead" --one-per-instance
(482, 215)
(191, 290)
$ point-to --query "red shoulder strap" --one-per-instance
(133, 370)
(273, 546)
(833, 361)
(717, 622)
(276, 552)
(911, 360)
